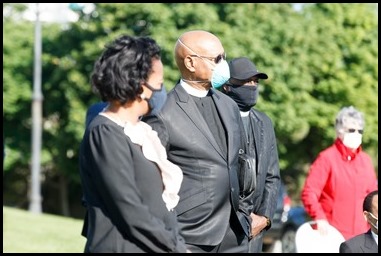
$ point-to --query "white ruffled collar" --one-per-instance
(172, 176)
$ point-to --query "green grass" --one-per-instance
(25, 232)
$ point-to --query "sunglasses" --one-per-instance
(361, 131)
(216, 59)
(151, 87)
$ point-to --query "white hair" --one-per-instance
(346, 117)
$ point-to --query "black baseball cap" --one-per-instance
(242, 69)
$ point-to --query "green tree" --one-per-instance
(318, 59)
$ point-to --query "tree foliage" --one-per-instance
(319, 59)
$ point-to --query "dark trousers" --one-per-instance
(256, 244)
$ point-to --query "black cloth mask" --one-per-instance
(245, 96)
(157, 101)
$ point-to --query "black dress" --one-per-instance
(123, 195)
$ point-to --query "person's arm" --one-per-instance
(313, 187)
(272, 181)
(262, 218)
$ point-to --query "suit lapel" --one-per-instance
(369, 243)
(189, 107)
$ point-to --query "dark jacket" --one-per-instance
(263, 141)
(363, 243)
(210, 186)
(122, 191)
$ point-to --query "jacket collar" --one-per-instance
(346, 153)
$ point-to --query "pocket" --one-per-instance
(247, 175)
(191, 202)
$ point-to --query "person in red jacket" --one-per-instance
(340, 178)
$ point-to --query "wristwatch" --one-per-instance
(268, 223)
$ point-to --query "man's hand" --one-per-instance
(258, 223)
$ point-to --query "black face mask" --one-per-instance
(245, 96)
(157, 100)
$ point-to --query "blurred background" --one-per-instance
(319, 58)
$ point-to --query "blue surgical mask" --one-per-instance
(157, 100)
(220, 74)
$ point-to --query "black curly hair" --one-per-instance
(123, 66)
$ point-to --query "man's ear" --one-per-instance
(189, 64)
(365, 214)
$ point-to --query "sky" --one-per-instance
(54, 12)
(61, 13)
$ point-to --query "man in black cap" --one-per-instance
(260, 141)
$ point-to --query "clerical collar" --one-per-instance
(244, 114)
(193, 91)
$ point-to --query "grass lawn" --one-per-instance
(25, 232)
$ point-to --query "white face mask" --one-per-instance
(352, 140)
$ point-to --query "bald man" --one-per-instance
(200, 128)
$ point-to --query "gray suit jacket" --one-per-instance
(363, 243)
(210, 186)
